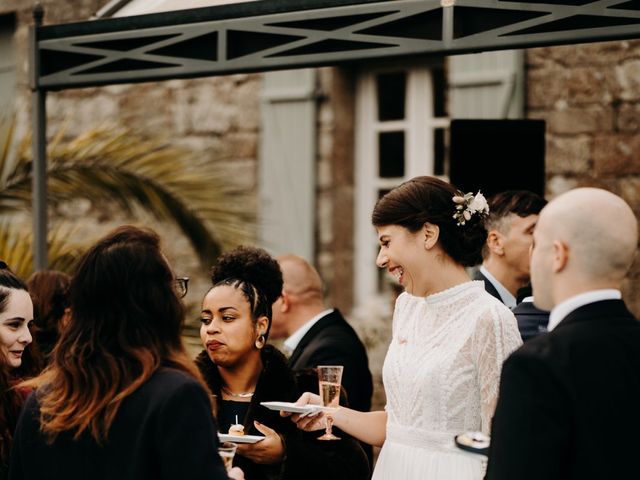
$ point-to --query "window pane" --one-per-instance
(391, 154)
(439, 89)
(439, 151)
(383, 192)
(391, 96)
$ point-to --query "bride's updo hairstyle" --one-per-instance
(429, 199)
(256, 273)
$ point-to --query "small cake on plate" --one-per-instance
(236, 429)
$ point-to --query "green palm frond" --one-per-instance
(112, 164)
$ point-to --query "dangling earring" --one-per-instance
(260, 341)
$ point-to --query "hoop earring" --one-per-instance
(260, 341)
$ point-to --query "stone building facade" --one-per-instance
(588, 94)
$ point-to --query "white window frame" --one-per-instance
(418, 121)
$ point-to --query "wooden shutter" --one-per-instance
(487, 85)
(287, 163)
(7, 66)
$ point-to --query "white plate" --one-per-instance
(291, 407)
(224, 437)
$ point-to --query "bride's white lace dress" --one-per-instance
(441, 377)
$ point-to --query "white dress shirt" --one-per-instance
(292, 342)
(505, 295)
(560, 311)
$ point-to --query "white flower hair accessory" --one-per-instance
(468, 204)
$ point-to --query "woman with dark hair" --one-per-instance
(49, 290)
(450, 337)
(120, 399)
(16, 315)
(243, 371)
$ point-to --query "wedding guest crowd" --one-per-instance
(568, 405)
(120, 398)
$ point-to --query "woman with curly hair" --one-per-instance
(243, 371)
(16, 315)
(120, 399)
(449, 336)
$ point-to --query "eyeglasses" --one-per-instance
(182, 286)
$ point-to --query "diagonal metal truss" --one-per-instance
(211, 41)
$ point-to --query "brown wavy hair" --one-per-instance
(125, 324)
(49, 290)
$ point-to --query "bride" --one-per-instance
(450, 337)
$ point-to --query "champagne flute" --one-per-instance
(329, 379)
(227, 451)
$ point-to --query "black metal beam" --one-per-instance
(270, 35)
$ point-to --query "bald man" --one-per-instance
(569, 402)
(317, 335)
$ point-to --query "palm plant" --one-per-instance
(115, 165)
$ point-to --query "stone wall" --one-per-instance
(218, 116)
(589, 95)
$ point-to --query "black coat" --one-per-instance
(305, 457)
(569, 400)
(332, 341)
(531, 320)
(164, 430)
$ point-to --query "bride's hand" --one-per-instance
(308, 421)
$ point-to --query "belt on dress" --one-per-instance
(419, 438)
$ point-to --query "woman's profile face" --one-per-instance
(227, 330)
(402, 255)
(14, 326)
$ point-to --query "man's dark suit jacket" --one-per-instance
(569, 402)
(531, 320)
(332, 341)
(488, 286)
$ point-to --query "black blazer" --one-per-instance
(488, 286)
(332, 341)
(569, 400)
(531, 320)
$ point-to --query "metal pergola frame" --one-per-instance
(283, 34)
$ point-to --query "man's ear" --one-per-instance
(285, 304)
(560, 256)
(495, 242)
(431, 233)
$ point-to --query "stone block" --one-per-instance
(325, 212)
(628, 118)
(546, 86)
(557, 184)
(591, 85)
(597, 54)
(590, 119)
(568, 155)
(628, 77)
(629, 189)
(616, 154)
(76, 115)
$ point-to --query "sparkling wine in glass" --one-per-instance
(329, 379)
(227, 451)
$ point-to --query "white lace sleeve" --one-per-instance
(495, 337)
